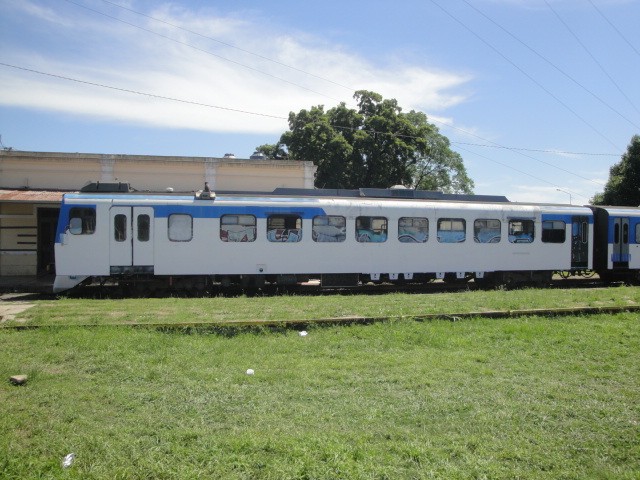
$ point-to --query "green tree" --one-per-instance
(376, 145)
(623, 186)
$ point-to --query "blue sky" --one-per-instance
(536, 95)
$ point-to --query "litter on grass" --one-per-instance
(303, 333)
(250, 371)
(67, 461)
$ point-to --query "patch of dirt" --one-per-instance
(11, 305)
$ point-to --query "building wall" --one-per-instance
(18, 226)
(71, 171)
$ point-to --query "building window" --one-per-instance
(237, 228)
(284, 228)
(554, 231)
(413, 229)
(82, 221)
(371, 229)
(452, 230)
(120, 228)
(180, 227)
(329, 228)
(521, 231)
(486, 231)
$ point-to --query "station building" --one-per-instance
(32, 185)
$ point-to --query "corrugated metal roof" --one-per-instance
(30, 196)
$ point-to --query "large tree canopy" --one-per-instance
(623, 186)
(376, 145)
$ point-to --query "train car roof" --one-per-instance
(390, 193)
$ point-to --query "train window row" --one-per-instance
(374, 229)
(331, 228)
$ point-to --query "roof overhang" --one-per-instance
(31, 196)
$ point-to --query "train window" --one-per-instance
(82, 221)
(144, 228)
(180, 227)
(486, 231)
(585, 232)
(554, 231)
(452, 230)
(521, 231)
(237, 228)
(616, 233)
(625, 233)
(371, 229)
(638, 233)
(329, 228)
(120, 228)
(413, 230)
(284, 228)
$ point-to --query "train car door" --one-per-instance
(131, 236)
(579, 242)
(620, 254)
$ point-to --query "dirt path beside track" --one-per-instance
(11, 305)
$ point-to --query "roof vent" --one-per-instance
(229, 155)
(258, 156)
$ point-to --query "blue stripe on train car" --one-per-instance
(212, 211)
(565, 217)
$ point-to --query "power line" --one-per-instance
(166, 37)
(554, 152)
(615, 28)
(593, 58)
(517, 67)
(524, 173)
(136, 92)
(531, 49)
(230, 45)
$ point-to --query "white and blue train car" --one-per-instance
(617, 242)
(340, 237)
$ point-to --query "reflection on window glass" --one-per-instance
(144, 228)
(371, 229)
(413, 230)
(284, 228)
(82, 221)
(521, 231)
(120, 228)
(237, 228)
(486, 231)
(452, 230)
(329, 228)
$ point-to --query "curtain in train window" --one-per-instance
(180, 227)
(521, 231)
(284, 228)
(486, 231)
(371, 229)
(413, 229)
(237, 228)
(329, 228)
(452, 230)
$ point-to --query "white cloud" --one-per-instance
(106, 52)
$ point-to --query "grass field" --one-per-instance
(73, 311)
(513, 398)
